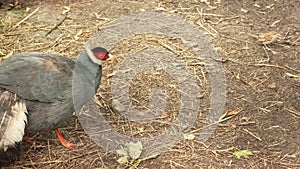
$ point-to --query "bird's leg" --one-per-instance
(64, 142)
(30, 139)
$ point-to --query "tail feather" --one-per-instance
(11, 154)
(13, 119)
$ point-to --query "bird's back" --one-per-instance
(37, 76)
(44, 81)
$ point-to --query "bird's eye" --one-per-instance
(101, 55)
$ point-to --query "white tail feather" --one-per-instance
(15, 124)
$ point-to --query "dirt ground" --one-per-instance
(258, 43)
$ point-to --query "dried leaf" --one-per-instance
(256, 5)
(274, 23)
(164, 114)
(268, 37)
(126, 70)
(244, 10)
(112, 74)
(66, 10)
(270, 6)
(160, 9)
(6, 56)
(76, 37)
(189, 136)
(246, 118)
(230, 113)
(272, 85)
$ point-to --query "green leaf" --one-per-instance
(122, 152)
(130, 152)
(243, 153)
(134, 149)
(123, 160)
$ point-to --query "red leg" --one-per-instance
(29, 139)
(64, 142)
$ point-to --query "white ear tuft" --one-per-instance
(92, 56)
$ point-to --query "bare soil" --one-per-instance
(258, 43)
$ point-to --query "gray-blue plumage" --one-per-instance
(46, 85)
(44, 81)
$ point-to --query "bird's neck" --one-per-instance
(89, 69)
(89, 66)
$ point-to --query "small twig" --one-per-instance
(260, 83)
(236, 39)
(214, 123)
(246, 123)
(268, 65)
(103, 102)
(209, 32)
(204, 76)
(253, 135)
(215, 152)
(265, 110)
(269, 49)
(275, 66)
(293, 111)
(295, 42)
(205, 14)
(266, 53)
(288, 67)
(58, 24)
(17, 34)
(28, 16)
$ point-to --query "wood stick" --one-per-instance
(27, 17)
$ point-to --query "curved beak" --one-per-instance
(111, 57)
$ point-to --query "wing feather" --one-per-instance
(45, 71)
